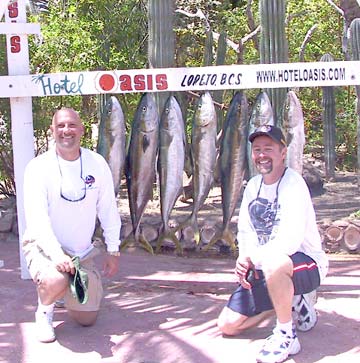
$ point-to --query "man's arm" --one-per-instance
(110, 222)
(38, 224)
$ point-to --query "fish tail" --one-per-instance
(226, 236)
(125, 242)
(170, 235)
(144, 243)
(196, 229)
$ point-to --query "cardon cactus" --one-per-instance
(161, 44)
(273, 45)
(328, 116)
(355, 54)
(220, 60)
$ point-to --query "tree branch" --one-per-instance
(251, 23)
(330, 2)
(237, 47)
(305, 41)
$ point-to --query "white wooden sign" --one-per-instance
(316, 74)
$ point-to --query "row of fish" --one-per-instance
(160, 140)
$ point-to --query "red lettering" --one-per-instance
(125, 82)
(161, 82)
(13, 10)
(139, 82)
(149, 78)
(15, 45)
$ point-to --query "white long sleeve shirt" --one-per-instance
(56, 223)
(287, 225)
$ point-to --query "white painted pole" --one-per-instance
(21, 113)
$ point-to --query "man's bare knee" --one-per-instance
(84, 318)
(53, 287)
(233, 323)
(230, 322)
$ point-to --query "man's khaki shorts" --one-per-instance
(39, 266)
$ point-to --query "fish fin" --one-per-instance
(227, 236)
(212, 242)
(145, 244)
(172, 236)
(129, 240)
(196, 229)
(145, 143)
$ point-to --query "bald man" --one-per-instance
(65, 190)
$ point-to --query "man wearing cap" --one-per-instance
(281, 262)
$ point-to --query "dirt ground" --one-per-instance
(163, 308)
(339, 200)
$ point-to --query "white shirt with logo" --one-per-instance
(279, 218)
(57, 223)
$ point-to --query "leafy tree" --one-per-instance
(80, 35)
(103, 34)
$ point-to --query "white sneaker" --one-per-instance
(60, 303)
(278, 347)
(303, 306)
(44, 327)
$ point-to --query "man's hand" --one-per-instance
(242, 267)
(111, 265)
(65, 264)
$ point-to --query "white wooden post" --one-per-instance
(21, 111)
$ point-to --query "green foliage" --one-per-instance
(80, 35)
(355, 215)
(87, 35)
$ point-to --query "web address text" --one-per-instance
(299, 75)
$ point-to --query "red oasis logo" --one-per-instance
(114, 82)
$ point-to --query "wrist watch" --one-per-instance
(114, 253)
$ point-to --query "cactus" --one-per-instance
(208, 49)
(161, 44)
(328, 116)
(218, 95)
(355, 54)
(273, 45)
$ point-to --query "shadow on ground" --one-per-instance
(164, 309)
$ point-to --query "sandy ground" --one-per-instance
(163, 309)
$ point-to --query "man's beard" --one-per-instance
(264, 168)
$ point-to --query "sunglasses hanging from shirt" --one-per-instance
(72, 187)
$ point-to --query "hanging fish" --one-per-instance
(140, 162)
(293, 129)
(232, 163)
(112, 139)
(203, 156)
(170, 164)
(262, 114)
